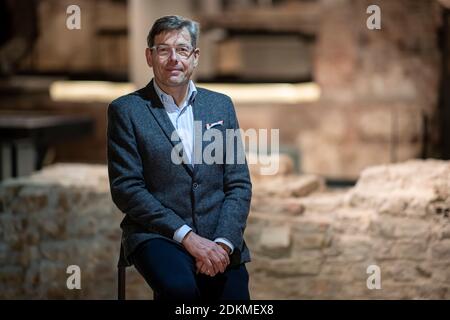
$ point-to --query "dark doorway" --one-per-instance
(444, 96)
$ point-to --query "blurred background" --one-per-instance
(345, 98)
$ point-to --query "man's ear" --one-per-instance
(149, 57)
(196, 56)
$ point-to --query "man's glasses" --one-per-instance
(164, 51)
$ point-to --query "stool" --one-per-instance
(121, 275)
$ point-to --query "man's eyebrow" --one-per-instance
(176, 44)
(183, 44)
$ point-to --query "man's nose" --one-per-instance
(173, 55)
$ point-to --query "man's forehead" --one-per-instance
(181, 36)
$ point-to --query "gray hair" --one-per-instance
(169, 23)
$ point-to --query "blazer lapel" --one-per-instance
(156, 107)
(200, 112)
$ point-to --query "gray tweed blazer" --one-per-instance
(157, 195)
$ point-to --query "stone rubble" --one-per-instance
(307, 241)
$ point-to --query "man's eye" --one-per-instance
(163, 50)
(183, 50)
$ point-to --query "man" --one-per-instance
(184, 222)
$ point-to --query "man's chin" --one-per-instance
(176, 82)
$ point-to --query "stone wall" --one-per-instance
(307, 242)
(99, 46)
(379, 88)
(320, 246)
(373, 84)
(58, 217)
(399, 62)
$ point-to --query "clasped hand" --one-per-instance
(210, 257)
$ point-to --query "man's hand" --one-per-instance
(225, 247)
(210, 257)
(201, 266)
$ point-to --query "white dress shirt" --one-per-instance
(182, 118)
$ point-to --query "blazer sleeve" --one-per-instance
(127, 185)
(237, 189)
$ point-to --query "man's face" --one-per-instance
(172, 70)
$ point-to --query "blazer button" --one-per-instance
(195, 185)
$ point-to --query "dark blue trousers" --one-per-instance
(170, 271)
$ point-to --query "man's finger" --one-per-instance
(220, 259)
(198, 265)
(224, 253)
(208, 267)
(222, 263)
(216, 263)
(226, 259)
(202, 267)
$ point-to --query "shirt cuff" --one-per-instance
(181, 232)
(226, 242)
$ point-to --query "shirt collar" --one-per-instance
(168, 101)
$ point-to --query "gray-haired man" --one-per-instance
(184, 223)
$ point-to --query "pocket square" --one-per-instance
(210, 125)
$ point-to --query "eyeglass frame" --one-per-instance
(173, 47)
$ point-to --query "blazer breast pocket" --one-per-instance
(214, 124)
